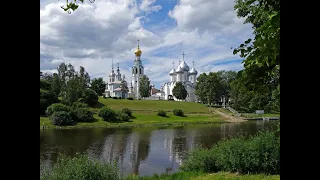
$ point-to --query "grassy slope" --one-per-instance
(145, 113)
(252, 115)
(200, 176)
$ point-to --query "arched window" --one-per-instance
(139, 70)
(136, 70)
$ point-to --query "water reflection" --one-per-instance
(141, 151)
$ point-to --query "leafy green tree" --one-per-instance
(98, 85)
(200, 89)
(261, 55)
(179, 91)
(73, 5)
(144, 86)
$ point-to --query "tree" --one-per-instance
(73, 5)
(144, 86)
(98, 85)
(200, 89)
(262, 55)
(179, 91)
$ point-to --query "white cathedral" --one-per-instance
(185, 75)
(118, 86)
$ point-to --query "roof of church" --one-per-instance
(117, 89)
(193, 71)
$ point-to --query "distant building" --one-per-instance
(188, 78)
(117, 85)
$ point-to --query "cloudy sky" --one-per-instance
(204, 29)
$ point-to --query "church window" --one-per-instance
(140, 71)
(136, 70)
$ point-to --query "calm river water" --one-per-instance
(142, 151)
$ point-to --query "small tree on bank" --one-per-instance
(98, 85)
(179, 91)
(144, 86)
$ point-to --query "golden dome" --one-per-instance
(138, 52)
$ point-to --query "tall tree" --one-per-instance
(179, 91)
(201, 88)
(98, 85)
(262, 53)
(144, 86)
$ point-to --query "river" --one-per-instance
(141, 151)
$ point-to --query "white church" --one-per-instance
(185, 75)
(118, 87)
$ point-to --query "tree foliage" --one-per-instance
(98, 85)
(73, 5)
(179, 91)
(258, 85)
(213, 87)
(262, 54)
(144, 86)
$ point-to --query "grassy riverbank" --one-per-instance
(145, 114)
(201, 176)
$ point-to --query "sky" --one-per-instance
(93, 35)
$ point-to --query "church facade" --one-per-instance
(117, 86)
(185, 75)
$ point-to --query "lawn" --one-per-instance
(145, 114)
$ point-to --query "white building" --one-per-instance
(137, 73)
(188, 77)
(117, 85)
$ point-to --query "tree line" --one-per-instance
(70, 85)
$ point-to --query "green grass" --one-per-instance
(201, 176)
(145, 114)
(252, 115)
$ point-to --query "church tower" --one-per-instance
(112, 74)
(137, 72)
(118, 76)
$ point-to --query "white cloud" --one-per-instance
(205, 30)
(147, 6)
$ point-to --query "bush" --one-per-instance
(119, 98)
(61, 118)
(80, 167)
(77, 105)
(107, 114)
(56, 108)
(122, 116)
(127, 111)
(90, 97)
(162, 113)
(130, 98)
(115, 97)
(258, 154)
(82, 115)
(178, 112)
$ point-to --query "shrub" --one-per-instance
(178, 112)
(258, 154)
(127, 111)
(115, 97)
(104, 97)
(122, 116)
(119, 98)
(107, 114)
(82, 115)
(61, 118)
(162, 113)
(80, 167)
(56, 108)
(76, 105)
(90, 97)
(130, 98)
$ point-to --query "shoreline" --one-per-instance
(119, 125)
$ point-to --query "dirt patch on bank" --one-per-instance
(227, 117)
